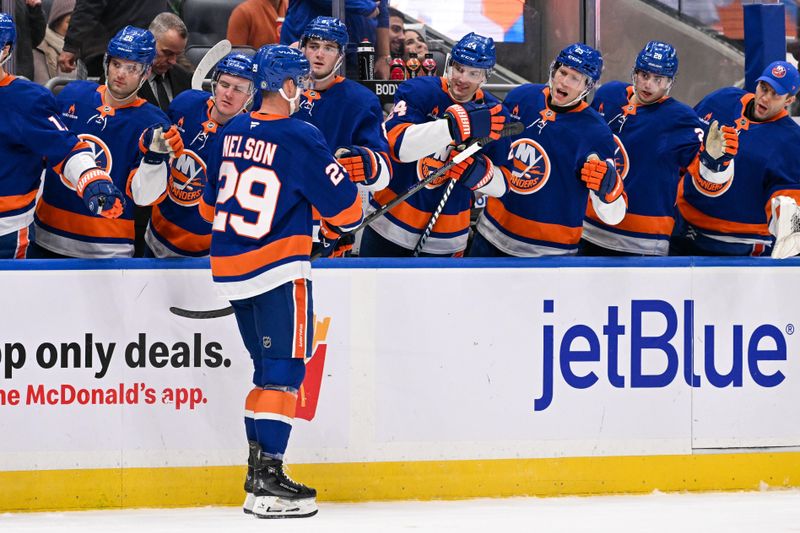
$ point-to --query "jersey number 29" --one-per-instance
(240, 185)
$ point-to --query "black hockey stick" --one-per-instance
(514, 128)
(434, 218)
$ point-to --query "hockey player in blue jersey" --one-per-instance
(729, 199)
(176, 228)
(34, 135)
(266, 173)
(563, 159)
(347, 113)
(431, 117)
(657, 136)
(131, 140)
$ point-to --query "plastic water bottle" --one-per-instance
(429, 65)
(366, 60)
(412, 65)
(397, 68)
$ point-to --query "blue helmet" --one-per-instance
(326, 29)
(133, 44)
(8, 32)
(658, 58)
(582, 58)
(274, 63)
(235, 64)
(474, 50)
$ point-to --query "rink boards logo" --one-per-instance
(653, 347)
(531, 166)
(187, 179)
(308, 395)
(432, 163)
(100, 153)
(621, 158)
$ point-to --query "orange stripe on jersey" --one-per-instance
(315, 216)
(85, 225)
(392, 135)
(532, 229)
(349, 216)
(638, 223)
(695, 217)
(59, 168)
(10, 203)
(791, 193)
(180, 237)
(206, 211)
(275, 401)
(22, 243)
(7, 80)
(239, 265)
(300, 318)
(416, 218)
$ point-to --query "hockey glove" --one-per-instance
(360, 162)
(159, 142)
(721, 145)
(474, 172)
(786, 222)
(602, 177)
(474, 120)
(332, 241)
(99, 194)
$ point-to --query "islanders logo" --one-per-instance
(430, 164)
(621, 158)
(531, 166)
(779, 71)
(709, 188)
(100, 153)
(187, 179)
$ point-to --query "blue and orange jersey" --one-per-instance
(655, 143)
(63, 225)
(347, 113)
(765, 166)
(542, 212)
(418, 101)
(176, 227)
(33, 135)
(265, 174)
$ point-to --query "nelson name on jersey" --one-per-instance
(255, 150)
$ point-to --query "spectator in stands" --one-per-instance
(256, 22)
(657, 138)
(45, 56)
(396, 29)
(414, 42)
(167, 79)
(30, 22)
(94, 22)
(366, 19)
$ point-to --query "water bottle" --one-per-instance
(366, 60)
(429, 65)
(412, 65)
(397, 68)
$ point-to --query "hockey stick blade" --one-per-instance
(212, 57)
(200, 315)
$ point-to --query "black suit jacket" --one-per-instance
(179, 79)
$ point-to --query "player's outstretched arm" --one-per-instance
(368, 169)
(605, 188)
(158, 143)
